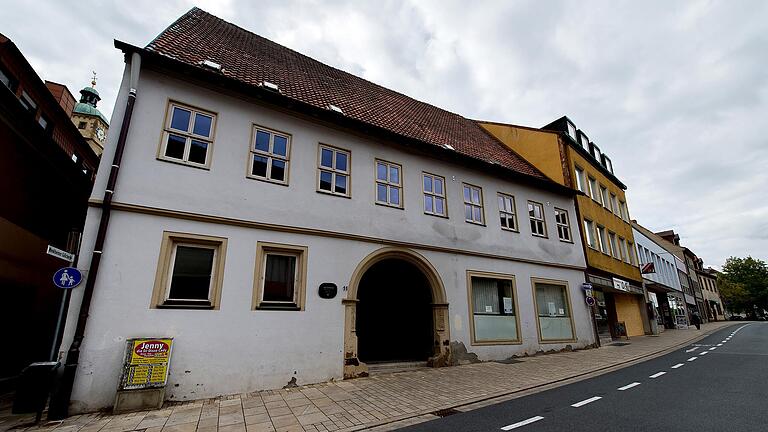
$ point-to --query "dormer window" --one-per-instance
(607, 163)
(571, 130)
(584, 141)
(595, 151)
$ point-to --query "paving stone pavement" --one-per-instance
(381, 402)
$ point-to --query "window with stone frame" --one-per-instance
(188, 136)
(270, 154)
(473, 204)
(433, 187)
(389, 184)
(334, 166)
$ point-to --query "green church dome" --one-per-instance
(89, 97)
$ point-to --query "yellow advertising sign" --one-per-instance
(146, 363)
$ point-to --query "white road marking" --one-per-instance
(586, 401)
(628, 386)
(704, 352)
(678, 365)
(692, 358)
(657, 374)
(522, 423)
(692, 349)
(713, 348)
(721, 344)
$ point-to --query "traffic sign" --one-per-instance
(591, 301)
(67, 277)
(58, 253)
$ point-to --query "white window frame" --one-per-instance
(507, 211)
(594, 192)
(614, 245)
(591, 234)
(434, 195)
(630, 252)
(602, 241)
(615, 205)
(623, 251)
(334, 170)
(472, 205)
(388, 183)
(623, 210)
(604, 200)
(187, 135)
(270, 155)
(563, 227)
(580, 179)
(534, 220)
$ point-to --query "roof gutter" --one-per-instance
(59, 407)
(273, 98)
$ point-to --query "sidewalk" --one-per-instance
(405, 397)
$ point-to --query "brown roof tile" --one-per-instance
(251, 59)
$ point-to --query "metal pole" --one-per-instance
(73, 246)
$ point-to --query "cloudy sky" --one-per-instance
(675, 92)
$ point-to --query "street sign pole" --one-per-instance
(73, 244)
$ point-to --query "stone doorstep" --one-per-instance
(475, 400)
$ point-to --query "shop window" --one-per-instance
(507, 212)
(389, 184)
(281, 274)
(334, 167)
(270, 151)
(494, 308)
(433, 187)
(189, 272)
(473, 204)
(188, 136)
(553, 310)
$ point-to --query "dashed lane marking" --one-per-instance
(713, 348)
(704, 352)
(628, 386)
(522, 423)
(692, 349)
(678, 365)
(692, 358)
(586, 401)
(657, 374)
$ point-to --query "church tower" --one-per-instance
(89, 120)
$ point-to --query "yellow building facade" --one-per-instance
(566, 156)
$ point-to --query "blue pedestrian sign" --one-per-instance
(67, 277)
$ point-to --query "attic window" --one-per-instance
(211, 65)
(607, 163)
(333, 107)
(270, 86)
(571, 130)
(448, 146)
(584, 141)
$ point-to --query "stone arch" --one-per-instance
(353, 367)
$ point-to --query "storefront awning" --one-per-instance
(614, 285)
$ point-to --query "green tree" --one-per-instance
(747, 281)
(734, 296)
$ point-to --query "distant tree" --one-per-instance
(746, 279)
(734, 296)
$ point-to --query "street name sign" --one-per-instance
(58, 253)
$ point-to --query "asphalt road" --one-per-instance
(719, 383)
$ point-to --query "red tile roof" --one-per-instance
(251, 59)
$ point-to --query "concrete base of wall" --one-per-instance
(138, 400)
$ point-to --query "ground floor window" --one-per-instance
(494, 308)
(281, 273)
(553, 310)
(190, 271)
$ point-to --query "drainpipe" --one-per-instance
(59, 407)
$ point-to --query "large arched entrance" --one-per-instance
(395, 310)
(394, 313)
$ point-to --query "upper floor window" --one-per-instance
(595, 150)
(593, 191)
(335, 168)
(602, 240)
(389, 184)
(623, 210)
(270, 154)
(604, 197)
(507, 212)
(7, 79)
(614, 245)
(631, 253)
(584, 140)
(581, 182)
(623, 251)
(563, 225)
(536, 216)
(589, 232)
(615, 205)
(571, 130)
(473, 204)
(26, 101)
(607, 163)
(43, 122)
(434, 194)
(188, 136)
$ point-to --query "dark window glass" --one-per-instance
(428, 203)
(197, 152)
(262, 141)
(427, 183)
(280, 145)
(381, 172)
(325, 180)
(175, 147)
(439, 206)
(202, 125)
(279, 278)
(381, 193)
(394, 196)
(191, 279)
(278, 170)
(341, 161)
(341, 184)
(326, 158)
(438, 186)
(259, 166)
(81, 125)
(180, 119)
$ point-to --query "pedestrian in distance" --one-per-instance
(696, 320)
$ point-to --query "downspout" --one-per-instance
(59, 407)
